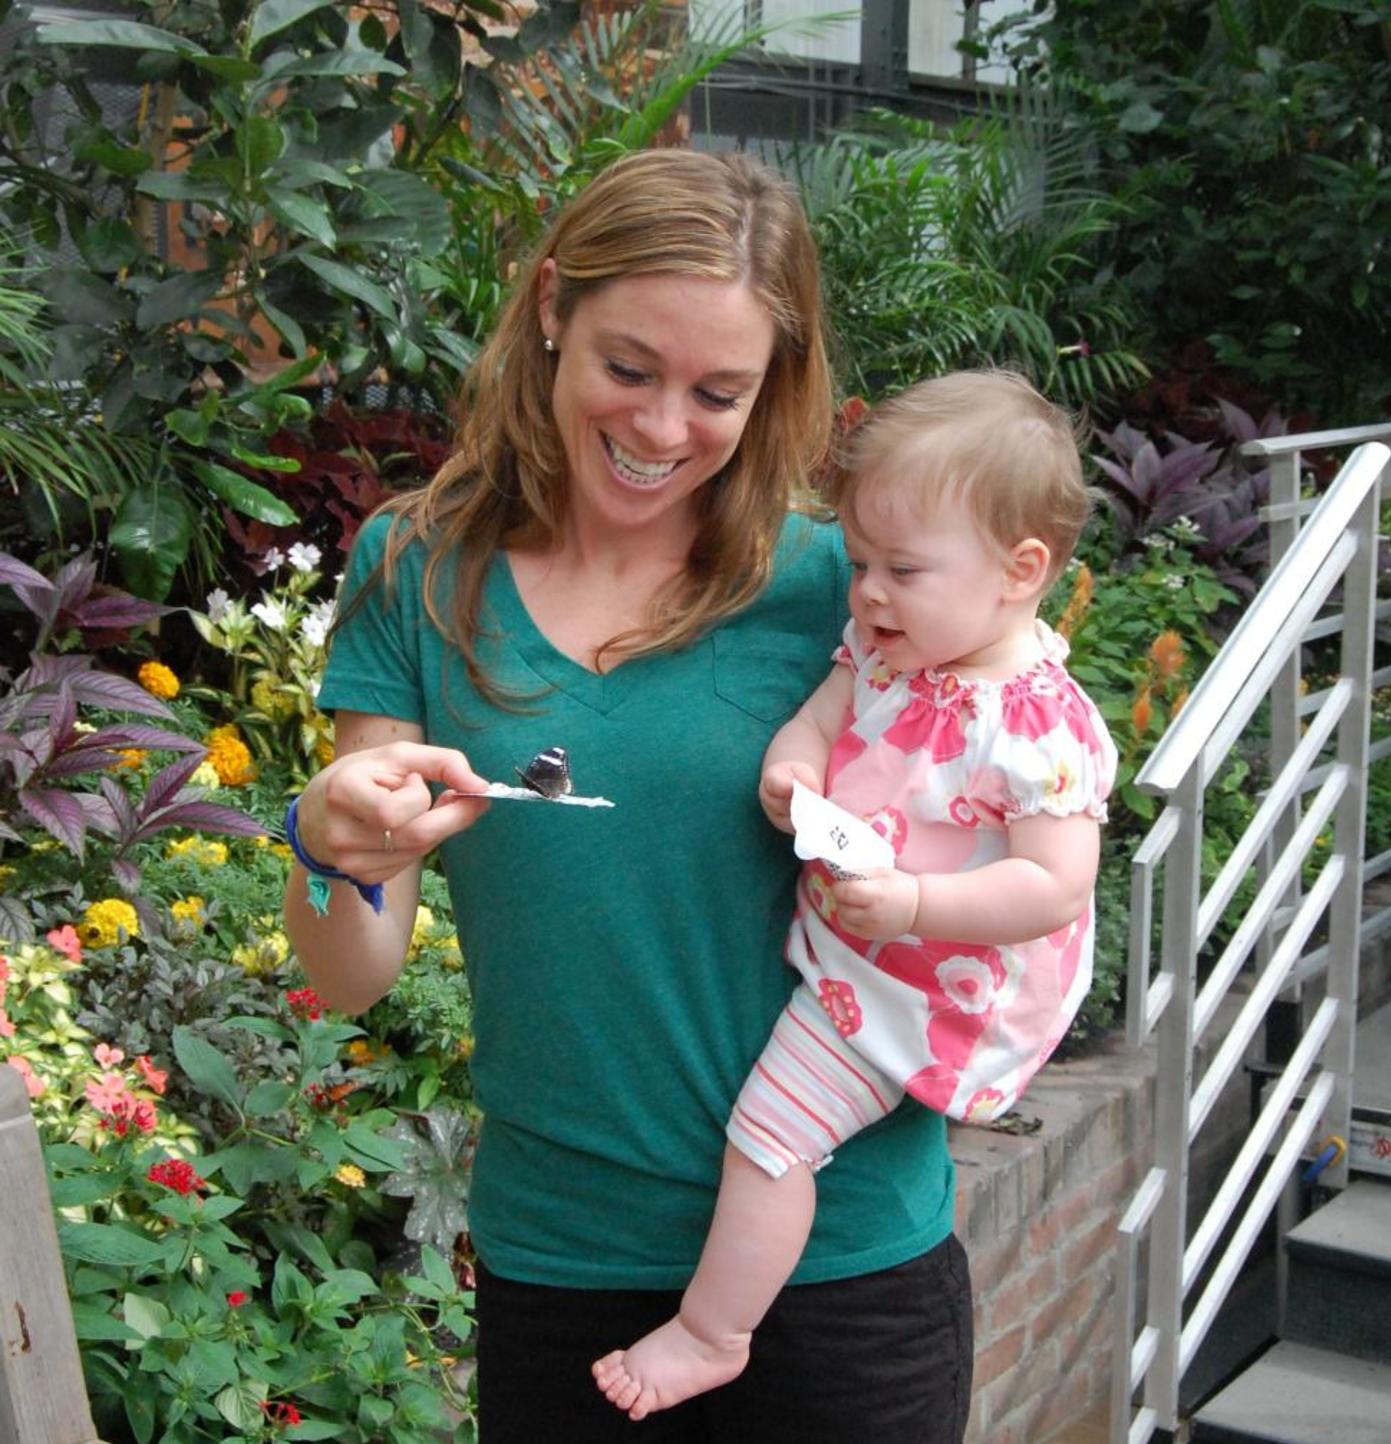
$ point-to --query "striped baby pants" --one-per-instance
(808, 1092)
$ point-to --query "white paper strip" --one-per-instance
(525, 794)
(846, 843)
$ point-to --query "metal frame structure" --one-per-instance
(1316, 547)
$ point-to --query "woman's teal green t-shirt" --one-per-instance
(626, 963)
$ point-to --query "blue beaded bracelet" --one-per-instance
(371, 892)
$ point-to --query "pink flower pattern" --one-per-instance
(942, 767)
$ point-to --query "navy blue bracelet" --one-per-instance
(371, 892)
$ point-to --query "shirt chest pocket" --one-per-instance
(768, 676)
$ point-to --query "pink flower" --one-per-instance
(4, 968)
(66, 941)
(157, 1078)
(34, 1085)
(109, 1094)
(107, 1056)
(143, 1115)
(7, 1028)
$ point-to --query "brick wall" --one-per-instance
(1038, 1214)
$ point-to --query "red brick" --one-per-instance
(1021, 1296)
(1097, 1243)
(999, 1357)
(1068, 1309)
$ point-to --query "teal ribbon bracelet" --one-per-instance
(322, 874)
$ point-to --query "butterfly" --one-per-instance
(548, 773)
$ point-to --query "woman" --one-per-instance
(608, 564)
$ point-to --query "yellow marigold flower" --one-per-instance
(230, 757)
(451, 955)
(158, 680)
(361, 1052)
(1167, 654)
(189, 914)
(464, 1047)
(205, 775)
(108, 921)
(323, 751)
(1142, 712)
(129, 759)
(282, 849)
(267, 697)
(262, 955)
(350, 1175)
(6, 873)
(421, 928)
(198, 850)
(1078, 602)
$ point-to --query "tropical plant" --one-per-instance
(1249, 141)
(978, 245)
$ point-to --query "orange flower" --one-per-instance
(1176, 706)
(1142, 713)
(1077, 603)
(1167, 654)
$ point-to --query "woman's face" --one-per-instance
(655, 379)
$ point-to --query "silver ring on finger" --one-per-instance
(388, 843)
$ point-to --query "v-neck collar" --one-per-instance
(601, 692)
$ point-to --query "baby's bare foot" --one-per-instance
(668, 1365)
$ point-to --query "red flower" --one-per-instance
(305, 1003)
(280, 1412)
(237, 1298)
(178, 1174)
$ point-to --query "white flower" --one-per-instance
(272, 558)
(314, 685)
(1175, 583)
(314, 629)
(304, 556)
(218, 605)
(271, 612)
(968, 982)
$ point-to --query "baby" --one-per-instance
(949, 723)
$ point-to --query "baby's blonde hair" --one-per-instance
(986, 436)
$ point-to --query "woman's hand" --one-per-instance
(372, 814)
(775, 790)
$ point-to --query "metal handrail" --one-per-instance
(1261, 628)
(1316, 548)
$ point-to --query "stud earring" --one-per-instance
(548, 344)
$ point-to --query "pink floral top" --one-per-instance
(941, 766)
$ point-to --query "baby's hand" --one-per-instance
(882, 904)
(775, 790)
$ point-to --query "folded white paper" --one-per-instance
(525, 794)
(846, 843)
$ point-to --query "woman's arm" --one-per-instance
(378, 782)
(1044, 884)
(801, 748)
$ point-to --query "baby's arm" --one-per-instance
(800, 748)
(1044, 884)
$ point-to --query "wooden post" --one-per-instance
(43, 1399)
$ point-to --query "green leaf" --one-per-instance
(206, 1067)
(151, 534)
(82, 1189)
(84, 299)
(274, 16)
(423, 210)
(104, 1243)
(179, 297)
(349, 283)
(315, 1429)
(1139, 118)
(267, 1097)
(437, 1270)
(145, 1315)
(343, 62)
(243, 495)
(231, 68)
(301, 171)
(178, 185)
(372, 1150)
(260, 142)
(286, 324)
(93, 1321)
(303, 214)
(124, 34)
(119, 159)
(108, 244)
(240, 1404)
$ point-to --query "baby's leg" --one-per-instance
(760, 1227)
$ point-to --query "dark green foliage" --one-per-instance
(1249, 140)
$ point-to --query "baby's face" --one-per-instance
(928, 586)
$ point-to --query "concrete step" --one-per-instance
(1297, 1395)
(1340, 1275)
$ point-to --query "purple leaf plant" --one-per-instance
(44, 747)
